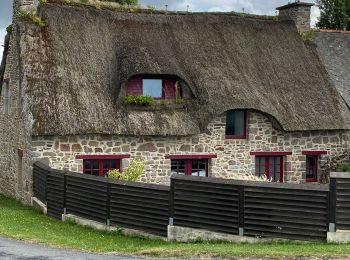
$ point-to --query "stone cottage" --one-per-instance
(230, 95)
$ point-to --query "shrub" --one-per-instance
(307, 37)
(343, 167)
(132, 173)
(139, 100)
(35, 19)
(9, 29)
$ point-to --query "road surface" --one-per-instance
(18, 250)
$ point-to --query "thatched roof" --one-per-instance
(77, 66)
(334, 48)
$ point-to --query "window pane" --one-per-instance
(239, 122)
(202, 173)
(95, 173)
(105, 164)
(195, 173)
(95, 164)
(311, 167)
(230, 122)
(277, 177)
(178, 166)
(152, 87)
(114, 164)
(235, 124)
(87, 164)
(195, 165)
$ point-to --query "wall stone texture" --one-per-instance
(299, 14)
(15, 126)
(233, 156)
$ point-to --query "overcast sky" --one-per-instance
(250, 6)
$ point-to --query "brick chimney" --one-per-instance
(299, 12)
(25, 5)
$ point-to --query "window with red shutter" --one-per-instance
(135, 86)
(153, 86)
(168, 88)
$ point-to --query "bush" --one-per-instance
(307, 37)
(139, 100)
(132, 173)
(344, 167)
(35, 19)
(9, 29)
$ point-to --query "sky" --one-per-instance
(267, 7)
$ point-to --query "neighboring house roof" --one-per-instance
(76, 69)
(334, 48)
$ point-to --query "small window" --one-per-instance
(311, 168)
(152, 87)
(192, 167)
(236, 124)
(99, 167)
(270, 166)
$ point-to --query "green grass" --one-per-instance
(25, 223)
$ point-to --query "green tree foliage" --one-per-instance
(335, 14)
(123, 2)
(347, 11)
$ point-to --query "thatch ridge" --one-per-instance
(77, 67)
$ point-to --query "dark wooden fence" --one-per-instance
(39, 181)
(132, 205)
(55, 193)
(340, 200)
(274, 210)
(291, 211)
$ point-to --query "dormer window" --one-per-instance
(153, 86)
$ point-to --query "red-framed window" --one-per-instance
(152, 86)
(271, 166)
(192, 167)
(236, 124)
(99, 165)
(311, 168)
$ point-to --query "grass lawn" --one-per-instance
(25, 223)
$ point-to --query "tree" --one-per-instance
(335, 14)
(347, 11)
(123, 2)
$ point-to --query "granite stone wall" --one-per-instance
(15, 165)
(233, 156)
(301, 15)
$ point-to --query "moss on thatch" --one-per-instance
(79, 67)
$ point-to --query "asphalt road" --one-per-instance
(18, 250)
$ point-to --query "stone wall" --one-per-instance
(233, 156)
(15, 169)
(301, 15)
